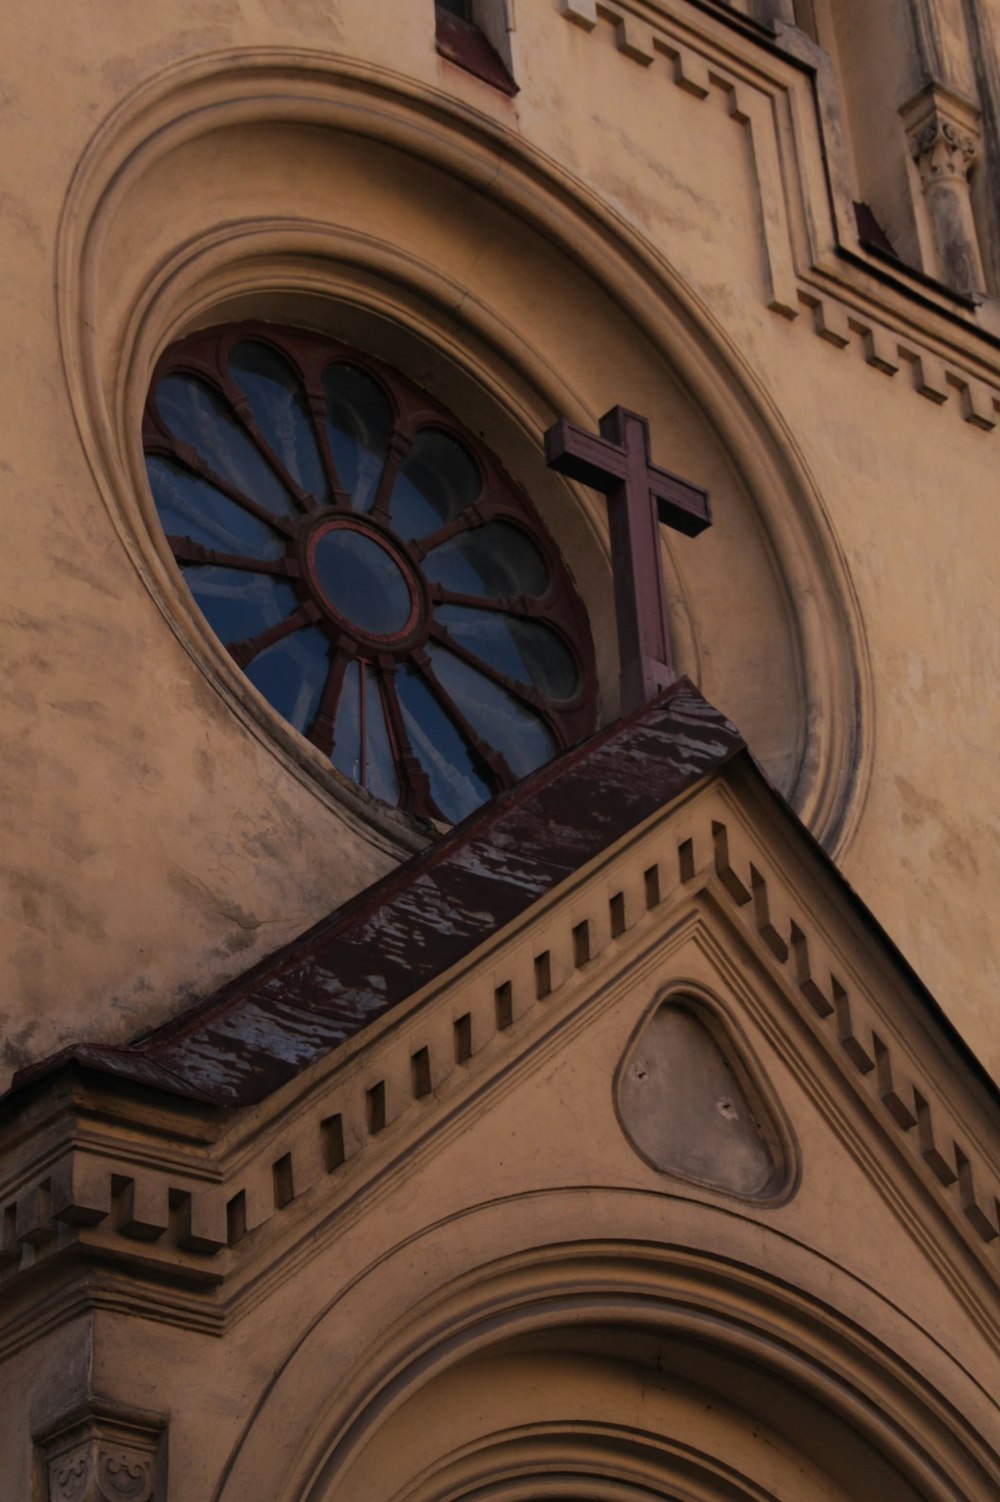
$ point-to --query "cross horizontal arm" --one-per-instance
(640, 496)
(584, 457)
(680, 505)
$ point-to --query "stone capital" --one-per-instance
(942, 131)
(104, 1454)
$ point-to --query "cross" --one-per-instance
(639, 497)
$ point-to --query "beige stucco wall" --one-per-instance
(647, 223)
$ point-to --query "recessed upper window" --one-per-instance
(368, 564)
(474, 34)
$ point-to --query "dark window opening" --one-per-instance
(870, 232)
(462, 41)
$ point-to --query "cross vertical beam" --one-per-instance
(640, 496)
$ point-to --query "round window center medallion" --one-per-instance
(361, 582)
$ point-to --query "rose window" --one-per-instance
(368, 564)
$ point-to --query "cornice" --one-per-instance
(195, 1235)
(779, 86)
(861, 1024)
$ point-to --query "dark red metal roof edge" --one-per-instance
(678, 733)
(171, 1059)
(402, 877)
(120, 1061)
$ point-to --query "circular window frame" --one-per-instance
(204, 355)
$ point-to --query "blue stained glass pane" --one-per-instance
(493, 561)
(362, 581)
(436, 481)
(526, 651)
(380, 768)
(277, 401)
(346, 753)
(238, 605)
(190, 507)
(291, 675)
(523, 739)
(442, 751)
(359, 422)
(198, 415)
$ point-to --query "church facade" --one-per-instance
(444, 1058)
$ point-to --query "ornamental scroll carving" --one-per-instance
(105, 1455)
(99, 1473)
(942, 149)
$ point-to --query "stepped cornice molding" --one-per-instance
(775, 83)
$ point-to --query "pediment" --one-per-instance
(506, 1070)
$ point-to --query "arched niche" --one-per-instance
(658, 1369)
(565, 1412)
(289, 186)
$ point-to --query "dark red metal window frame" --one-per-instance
(205, 355)
(462, 43)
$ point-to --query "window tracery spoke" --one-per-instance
(318, 415)
(472, 516)
(523, 691)
(244, 652)
(304, 499)
(185, 550)
(493, 758)
(415, 790)
(526, 606)
(399, 446)
(190, 459)
(321, 732)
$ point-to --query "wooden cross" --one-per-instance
(639, 497)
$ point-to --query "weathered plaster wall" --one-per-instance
(156, 839)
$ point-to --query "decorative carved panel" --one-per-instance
(103, 1453)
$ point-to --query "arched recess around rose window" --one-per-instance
(540, 304)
